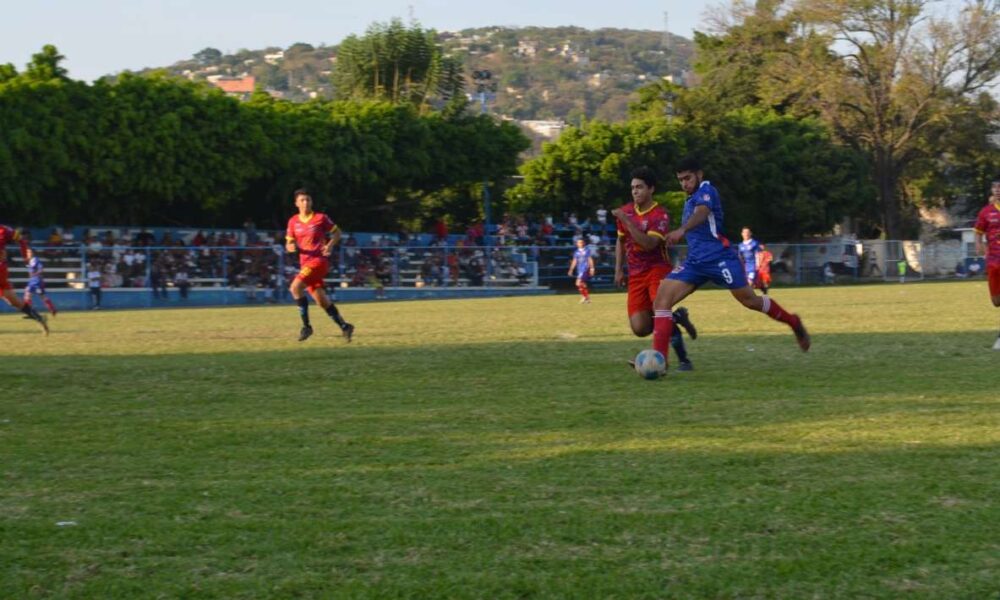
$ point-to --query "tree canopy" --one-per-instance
(149, 150)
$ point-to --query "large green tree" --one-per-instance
(892, 78)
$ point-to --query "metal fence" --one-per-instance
(828, 263)
(264, 271)
(267, 269)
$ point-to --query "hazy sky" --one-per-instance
(100, 37)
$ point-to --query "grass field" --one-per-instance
(501, 449)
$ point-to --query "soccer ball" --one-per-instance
(650, 364)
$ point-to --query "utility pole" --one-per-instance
(668, 50)
(485, 87)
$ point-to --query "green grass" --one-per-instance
(501, 449)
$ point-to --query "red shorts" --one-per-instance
(4, 282)
(763, 280)
(313, 272)
(642, 288)
(993, 276)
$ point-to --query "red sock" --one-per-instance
(774, 310)
(585, 291)
(50, 306)
(663, 328)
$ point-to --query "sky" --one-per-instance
(103, 37)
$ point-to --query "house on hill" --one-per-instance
(238, 87)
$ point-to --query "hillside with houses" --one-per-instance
(544, 77)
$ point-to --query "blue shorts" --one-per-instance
(585, 276)
(35, 287)
(725, 272)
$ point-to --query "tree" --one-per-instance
(779, 174)
(902, 79)
(44, 65)
(395, 63)
(208, 56)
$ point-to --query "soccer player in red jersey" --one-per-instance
(8, 235)
(642, 227)
(988, 244)
(314, 235)
(763, 279)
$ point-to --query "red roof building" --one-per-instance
(236, 86)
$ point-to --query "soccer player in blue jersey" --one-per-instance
(711, 257)
(749, 249)
(582, 266)
(36, 283)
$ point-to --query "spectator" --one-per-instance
(158, 280)
(182, 282)
(829, 277)
(250, 229)
(94, 284)
(55, 238)
(145, 238)
(440, 231)
(602, 216)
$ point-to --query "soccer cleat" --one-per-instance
(305, 333)
(996, 345)
(686, 365)
(801, 335)
(681, 318)
(348, 332)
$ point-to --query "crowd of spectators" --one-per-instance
(254, 260)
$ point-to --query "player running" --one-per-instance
(8, 235)
(36, 283)
(764, 260)
(710, 257)
(642, 227)
(749, 251)
(582, 266)
(314, 235)
(988, 244)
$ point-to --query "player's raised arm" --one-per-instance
(645, 240)
(699, 216)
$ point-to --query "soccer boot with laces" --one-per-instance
(682, 318)
(348, 332)
(305, 333)
(801, 335)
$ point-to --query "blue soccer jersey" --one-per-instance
(34, 270)
(582, 258)
(748, 254)
(706, 242)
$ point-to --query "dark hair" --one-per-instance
(689, 163)
(645, 174)
(301, 192)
